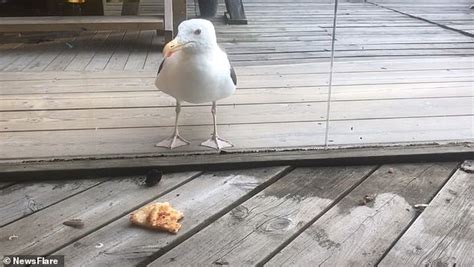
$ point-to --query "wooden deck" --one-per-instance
(399, 80)
(403, 75)
(284, 32)
(277, 216)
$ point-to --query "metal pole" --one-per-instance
(331, 67)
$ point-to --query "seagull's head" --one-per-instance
(194, 36)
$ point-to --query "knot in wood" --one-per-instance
(240, 212)
(32, 205)
(276, 224)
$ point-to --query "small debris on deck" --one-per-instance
(74, 223)
(420, 207)
(220, 262)
(367, 199)
(467, 166)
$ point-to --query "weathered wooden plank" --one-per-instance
(103, 55)
(277, 28)
(255, 49)
(443, 232)
(325, 17)
(396, 131)
(202, 201)
(321, 56)
(232, 113)
(245, 137)
(47, 57)
(80, 23)
(251, 231)
(142, 84)
(349, 40)
(53, 91)
(28, 53)
(344, 31)
(124, 165)
(247, 82)
(154, 56)
(143, 140)
(307, 28)
(289, 58)
(69, 52)
(346, 36)
(372, 65)
(366, 32)
(86, 53)
(10, 52)
(149, 96)
(43, 232)
(137, 57)
(430, 14)
(121, 54)
(23, 199)
(355, 233)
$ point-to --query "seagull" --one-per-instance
(195, 70)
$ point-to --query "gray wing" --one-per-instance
(232, 71)
(232, 75)
(161, 66)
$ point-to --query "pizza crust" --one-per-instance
(159, 216)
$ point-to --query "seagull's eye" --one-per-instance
(197, 32)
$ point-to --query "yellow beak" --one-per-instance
(171, 47)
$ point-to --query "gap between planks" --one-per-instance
(354, 233)
(224, 190)
(292, 201)
(441, 234)
(108, 201)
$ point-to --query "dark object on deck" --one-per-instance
(208, 8)
(75, 223)
(153, 177)
(235, 12)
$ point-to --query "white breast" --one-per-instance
(196, 78)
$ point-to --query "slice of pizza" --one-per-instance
(160, 216)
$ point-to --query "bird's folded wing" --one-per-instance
(161, 65)
(232, 74)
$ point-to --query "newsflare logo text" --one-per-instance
(32, 260)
